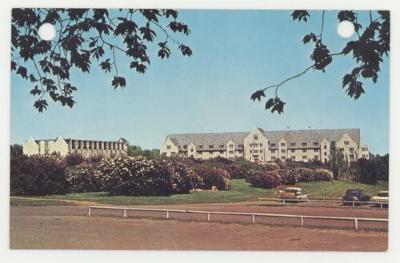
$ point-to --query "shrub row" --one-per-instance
(287, 176)
(41, 175)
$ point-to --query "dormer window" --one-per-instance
(283, 144)
(169, 147)
(346, 142)
(303, 144)
(255, 137)
(315, 143)
(211, 146)
(231, 145)
(292, 144)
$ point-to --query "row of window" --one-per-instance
(96, 145)
(220, 152)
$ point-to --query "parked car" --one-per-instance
(293, 193)
(381, 197)
(356, 195)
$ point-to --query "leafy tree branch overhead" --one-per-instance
(87, 37)
(367, 51)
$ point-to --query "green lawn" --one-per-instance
(241, 191)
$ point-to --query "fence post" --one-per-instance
(381, 205)
(124, 213)
(253, 219)
(302, 221)
(90, 211)
(353, 204)
(208, 216)
(355, 223)
(167, 216)
(283, 201)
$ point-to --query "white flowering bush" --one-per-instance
(139, 176)
(83, 178)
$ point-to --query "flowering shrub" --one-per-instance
(37, 175)
(265, 179)
(134, 176)
(83, 178)
(74, 159)
(183, 178)
(287, 176)
(323, 175)
(212, 176)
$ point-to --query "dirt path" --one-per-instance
(68, 227)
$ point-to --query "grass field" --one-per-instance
(241, 191)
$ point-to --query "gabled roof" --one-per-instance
(207, 139)
(295, 136)
(311, 136)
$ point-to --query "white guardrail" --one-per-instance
(324, 201)
(356, 220)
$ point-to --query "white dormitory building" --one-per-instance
(64, 147)
(263, 146)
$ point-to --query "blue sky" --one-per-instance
(234, 54)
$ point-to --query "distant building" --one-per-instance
(261, 146)
(86, 148)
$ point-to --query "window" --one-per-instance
(292, 144)
(351, 156)
(325, 160)
(364, 149)
(210, 152)
(200, 146)
(230, 152)
(95, 145)
(304, 156)
(325, 153)
(255, 151)
(316, 157)
(184, 146)
(273, 144)
(199, 152)
(292, 150)
(283, 151)
(364, 156)
(304, 150)
(293, 158)
(255, 137)
(191, 150)
(315, 150)
(211, 146)
(261, 145)
(221, 146)
(283, 144)
(169, 147)
(325, 147)
(315, 143)
(241, 145)
(100, 145)
(105, 146)
(283, 157)
(351, 149)
(251, 151)
(346, 142)
(73, 144)
(303, 144)
(221, 152)
(231, 145)
(273, 158)
(272, 151)
(84, 145)
(341, 149)
(261, 151)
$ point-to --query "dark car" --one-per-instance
(356, 196)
